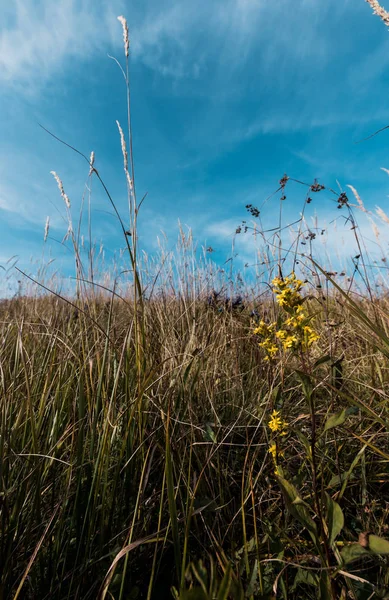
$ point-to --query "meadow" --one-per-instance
(202, 435)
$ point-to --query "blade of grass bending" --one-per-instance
(369, 444)
(361, 405)
(34, 554)
(172, 502)
(357, 311)
(123, 552)
(225, 584)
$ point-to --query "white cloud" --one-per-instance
(37, 35)
(173, 38)
(303, 121)
(177, 39)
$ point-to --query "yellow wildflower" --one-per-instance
(310, 336)
(281, 334)
(295, 333)
(278, 471)
(287, 291)
(264, 330)
(273, 450)
(276, 424)
(290, 342)
(277, 281)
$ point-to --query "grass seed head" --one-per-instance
(47, 226)
(125, 35)
(379, 11)
(61, 188)
(91, 162)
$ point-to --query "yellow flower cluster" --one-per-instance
(276, 424)
(280, 427)
(287, 291)
(267, 333)
(275, 452)
(278, 471)
(296, 333)
(265, 330)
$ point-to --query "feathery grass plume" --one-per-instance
(91, 162)
(124, 148)
(379, 11)
(68, 233)
(358, 198)
(60, 187)
(383, 216)
(125, 156)
(47, 227)
(376, 231)
(125, 35)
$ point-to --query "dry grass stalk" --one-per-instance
(361, 206)
(382, 215)
(379, 11)
(125, 156)
(61, 188)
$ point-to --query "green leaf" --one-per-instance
(305, 442)
(338, 418)
(321, 361)
(253, 583)
(352, 552)
(276, 395)
(297, 507)
(337, 373)
(337, 479)
(209, 434)
(194, 594)
(349, 474)
(325, 587)
(225, 584)
(304, 577)
(306, 384)
(378, 545)
(200, 573)
(335, 518)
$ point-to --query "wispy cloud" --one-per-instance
(37, 36)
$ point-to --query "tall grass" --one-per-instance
(150, 450)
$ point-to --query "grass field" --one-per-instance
(202, 436)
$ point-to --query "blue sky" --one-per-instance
(227, 96)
